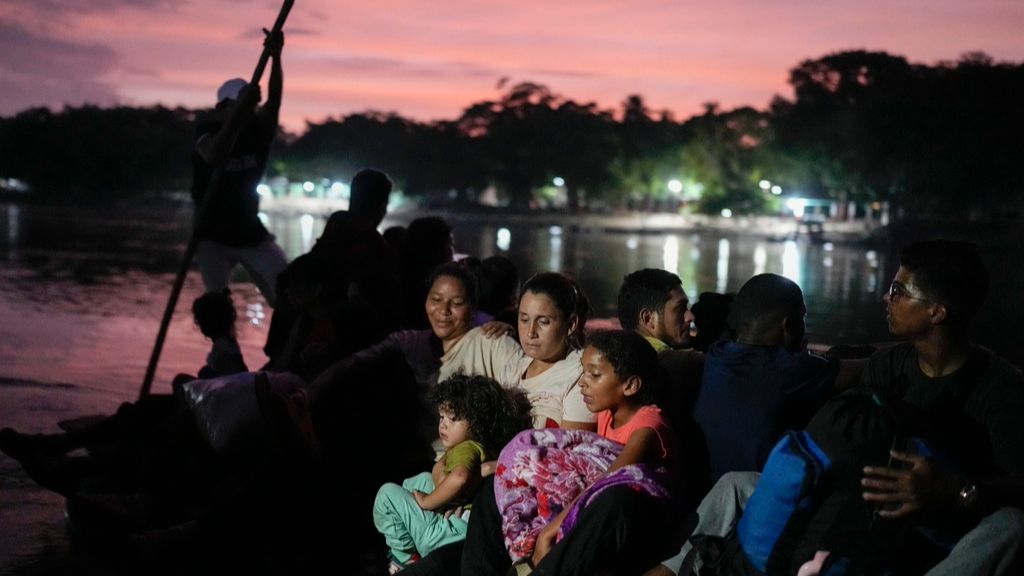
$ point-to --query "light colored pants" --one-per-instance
(263, 262)
(992, 547)
(406, 526)
(718, 512)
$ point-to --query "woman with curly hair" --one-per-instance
(477, 417)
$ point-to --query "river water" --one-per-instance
(82, 291)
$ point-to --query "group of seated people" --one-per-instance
(530, 443)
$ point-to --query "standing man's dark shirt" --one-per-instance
(233, 218)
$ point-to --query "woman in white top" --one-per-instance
(552, 314)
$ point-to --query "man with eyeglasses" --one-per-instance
(975, 398)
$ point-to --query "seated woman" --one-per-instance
(546, 367)
(430, 355)
(552, 315)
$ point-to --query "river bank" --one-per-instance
(618, 222)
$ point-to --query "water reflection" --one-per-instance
(255, 313)
(86, 269)
(722, 280)
(306, 224)
(760, 258)
(13, 217)
(555, 255)
(671, 254)
(791, 261)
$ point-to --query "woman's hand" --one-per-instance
(496, 329)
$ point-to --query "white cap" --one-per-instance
(230, 89)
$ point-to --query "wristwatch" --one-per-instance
(968, 498)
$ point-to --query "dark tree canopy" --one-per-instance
(868, 126)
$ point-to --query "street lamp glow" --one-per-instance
(776, 189)
(263, 190)
(797, 205)
(558, 181)
(726, 213)
(675, 186)
(764, 184)
(308, 186)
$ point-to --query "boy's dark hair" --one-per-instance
(215, 314)
(499, 283)
(494, 415)
(369, 192)
(568, 298)
(711, 314)
(427, 241)
(762, 302)
(630, 355)
(463, 275)
(646, 289)
(951, 272)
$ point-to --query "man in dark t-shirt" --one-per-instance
(228, 161)
(975, 401)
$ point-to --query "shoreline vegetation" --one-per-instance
(865, 134)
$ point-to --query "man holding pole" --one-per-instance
(229, 158)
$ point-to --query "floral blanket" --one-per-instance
(540, 472)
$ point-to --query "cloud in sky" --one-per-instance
(430, 60)
(79, 6)
(43, 71)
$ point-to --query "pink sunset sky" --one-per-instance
(430, 59)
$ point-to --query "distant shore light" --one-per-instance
(776, 189)
(797, 205)
(504, 239)
(726, 213)
(558, 181)
(308, 186)
(675, 186)
(263, 190)
(764, 184)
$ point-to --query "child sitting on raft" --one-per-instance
(215, 315)
(619, 372)
(549, 483)
(476, 418)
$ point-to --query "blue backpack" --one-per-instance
(809, 498)
(795, 480)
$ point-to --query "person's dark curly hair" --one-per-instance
(494, 415)
(630, 355)
(215, 314)
(950, 272)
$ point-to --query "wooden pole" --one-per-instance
(193, 242)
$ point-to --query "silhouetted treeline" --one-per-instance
(865, 126)
(92, 153)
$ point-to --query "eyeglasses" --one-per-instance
(898, 291)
